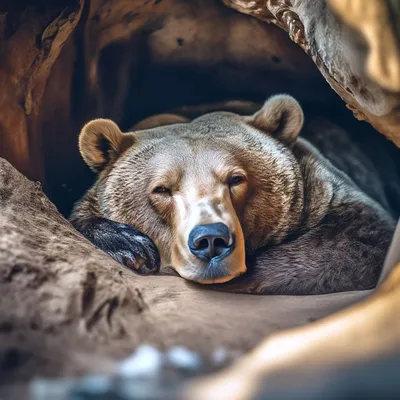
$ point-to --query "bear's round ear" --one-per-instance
(281, 116)
(101, 142)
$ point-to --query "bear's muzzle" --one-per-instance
(211, 241)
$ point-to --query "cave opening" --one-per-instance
(188, 57)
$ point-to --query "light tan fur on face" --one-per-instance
(207, 203)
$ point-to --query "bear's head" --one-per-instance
(204, 191)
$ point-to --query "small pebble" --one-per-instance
(179, 357)
(146, 361)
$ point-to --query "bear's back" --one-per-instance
(364, 156)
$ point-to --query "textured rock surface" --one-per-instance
(359, 67)
(67, 308)
(65, 62)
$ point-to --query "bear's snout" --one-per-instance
(211, 241)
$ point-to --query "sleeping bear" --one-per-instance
(239, 201)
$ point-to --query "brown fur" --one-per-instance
(159, 120)
(301, 220)
(102, 143)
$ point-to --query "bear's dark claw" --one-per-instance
(124, 244)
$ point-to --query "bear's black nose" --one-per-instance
(209, 241)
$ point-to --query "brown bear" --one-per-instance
(227, 195)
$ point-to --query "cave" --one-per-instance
(65, 62)
(177, 60)
(127, 62)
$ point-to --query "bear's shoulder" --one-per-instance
(330, 152)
